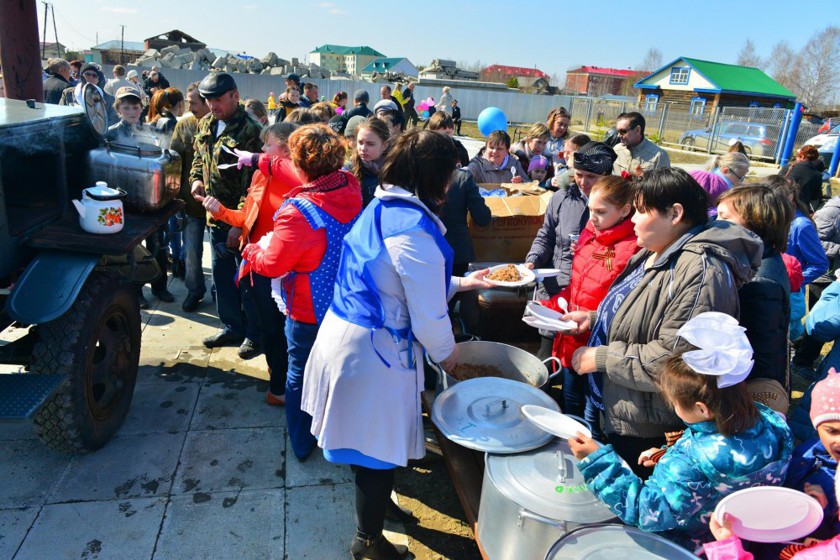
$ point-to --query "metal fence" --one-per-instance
(761, 129)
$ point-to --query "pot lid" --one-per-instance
(548, 482)
(484, 414)
(608, 542)
(103, 192)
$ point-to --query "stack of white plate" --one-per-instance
(541, 317)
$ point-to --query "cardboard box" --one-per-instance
(514, 225)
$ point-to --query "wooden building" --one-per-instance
(705, 85)
(174, 38)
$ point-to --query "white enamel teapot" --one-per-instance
(101, 210)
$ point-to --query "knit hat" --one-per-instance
(385, 104)
(361, 95)
(537, 162)
(352, 125)
(712, 183)
(131, 74)
(595, 157)
(825, 399)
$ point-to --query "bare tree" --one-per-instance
(783, 65)
(748, 56)
(558, 80)
(819, 64)
(652, 61)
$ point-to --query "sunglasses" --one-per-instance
(91, 74)
(740, 179)
(623, 131)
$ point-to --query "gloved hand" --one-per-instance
(245, 158)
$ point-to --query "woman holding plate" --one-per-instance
(365, 373)
(687, 266)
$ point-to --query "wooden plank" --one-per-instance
(67, 235)
(466, 469)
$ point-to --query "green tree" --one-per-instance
(513, 83)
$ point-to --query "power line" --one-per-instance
(66, 22)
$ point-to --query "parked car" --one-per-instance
(827, 151)
(758, 139)
(820, 139)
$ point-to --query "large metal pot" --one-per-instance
(530, 500)
(594, 542)
(149, 175)
(514, 363)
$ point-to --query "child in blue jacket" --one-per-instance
(730, 441)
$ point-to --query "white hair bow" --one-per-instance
(723, 348)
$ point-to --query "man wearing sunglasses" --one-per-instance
(636, 154)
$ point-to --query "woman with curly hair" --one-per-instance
(303, 251)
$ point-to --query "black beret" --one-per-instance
(216, 84)
(595, 157)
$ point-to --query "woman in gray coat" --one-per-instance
(687, 266)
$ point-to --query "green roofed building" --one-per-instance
(706, 85)
(338, 58)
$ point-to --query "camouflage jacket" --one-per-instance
(228, 185)
(182, 142)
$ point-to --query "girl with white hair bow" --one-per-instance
(730, 441)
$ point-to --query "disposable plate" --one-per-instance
(770, 513)
(554, 422)
(526, 274)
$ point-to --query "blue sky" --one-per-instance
(553, 36)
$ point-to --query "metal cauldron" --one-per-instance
(150, 176)
(514, 363)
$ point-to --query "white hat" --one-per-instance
(723, 348)
(131, 74)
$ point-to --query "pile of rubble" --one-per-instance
(447, 70)
(180, 58)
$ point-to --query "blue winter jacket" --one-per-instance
(695, 473)
(805, 245)
(812, 464)
(822, 323)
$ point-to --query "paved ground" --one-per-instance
(200, 468)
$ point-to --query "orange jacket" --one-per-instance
(246, 217)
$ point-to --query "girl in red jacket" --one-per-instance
(601, 253)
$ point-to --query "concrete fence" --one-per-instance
(518, 107)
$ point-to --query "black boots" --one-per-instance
(378, 548)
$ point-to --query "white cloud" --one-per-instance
(331, 8)
(119, 10)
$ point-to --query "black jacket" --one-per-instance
(361, 109)
(808, 175)
(54, 87)
(463, 197)
(765, 313)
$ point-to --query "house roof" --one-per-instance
(117, 45)
(341, 49)
(603, 71)
(516, 71)
(730, 78)
(176, 35)
(381, 65)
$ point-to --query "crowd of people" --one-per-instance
(339, 235)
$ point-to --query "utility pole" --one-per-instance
(122, 45)
(55, 30)
(44, 42)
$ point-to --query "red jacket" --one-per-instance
(295, 246)
(599, 258)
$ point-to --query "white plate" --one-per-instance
(554, 422)
(527, 276)
(541, 273)
(537, 323)
(795, 514)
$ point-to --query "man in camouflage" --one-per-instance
(227, 127)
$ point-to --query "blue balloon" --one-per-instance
(492, 119)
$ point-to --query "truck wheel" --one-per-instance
(97, 345)
(688, 144)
